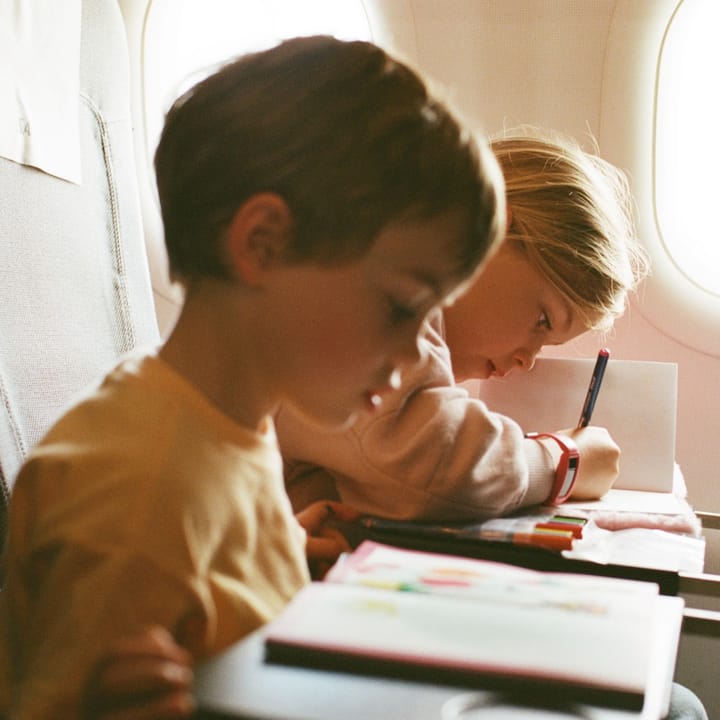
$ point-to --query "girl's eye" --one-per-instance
(400, 313)
(543, 322)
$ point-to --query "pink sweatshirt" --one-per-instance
(430, 452)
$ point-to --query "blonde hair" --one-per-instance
(571, 211)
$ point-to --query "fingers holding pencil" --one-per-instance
(599, 461)
(599, 465)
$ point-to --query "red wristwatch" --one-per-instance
(567, 469)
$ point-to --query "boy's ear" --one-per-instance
(257, 236)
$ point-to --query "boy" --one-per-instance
(317, 205)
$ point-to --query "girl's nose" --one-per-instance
(524, 359)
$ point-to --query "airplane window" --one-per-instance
(687, 184)
(184, 40)
(653, 129)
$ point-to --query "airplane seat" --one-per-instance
(75, 288)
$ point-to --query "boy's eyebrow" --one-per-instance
(423, 277)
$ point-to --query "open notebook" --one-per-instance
(388, 611)
(637, 404)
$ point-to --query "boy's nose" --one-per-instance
(408, 352)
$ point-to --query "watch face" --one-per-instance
(569, 476)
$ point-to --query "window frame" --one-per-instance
(669, 299)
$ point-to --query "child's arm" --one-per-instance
(145, 677)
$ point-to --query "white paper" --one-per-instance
(641, 547)
(40, 85)
(637, 404)
(660, 503)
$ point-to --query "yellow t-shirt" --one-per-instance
(143, 504)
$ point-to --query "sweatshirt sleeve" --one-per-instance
(430, 452)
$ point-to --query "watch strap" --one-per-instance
(567, 467)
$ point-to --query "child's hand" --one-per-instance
(599, 462)
(144, 677)
(325, 543)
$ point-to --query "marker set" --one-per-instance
(552, 531)
(555, 532)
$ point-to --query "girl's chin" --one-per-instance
(479, 374)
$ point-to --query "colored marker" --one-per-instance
(517, 531)
(594, 388)
(564, 522)
(550, 538)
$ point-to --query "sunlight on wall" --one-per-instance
(184, 40)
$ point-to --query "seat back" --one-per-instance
(75, 288)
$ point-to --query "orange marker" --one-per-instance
(550, 538)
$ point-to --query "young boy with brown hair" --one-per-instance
(318, 203)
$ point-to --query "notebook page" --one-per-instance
(637, 404)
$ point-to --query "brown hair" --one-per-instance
(347, 135)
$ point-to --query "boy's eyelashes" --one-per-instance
(401, 312)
